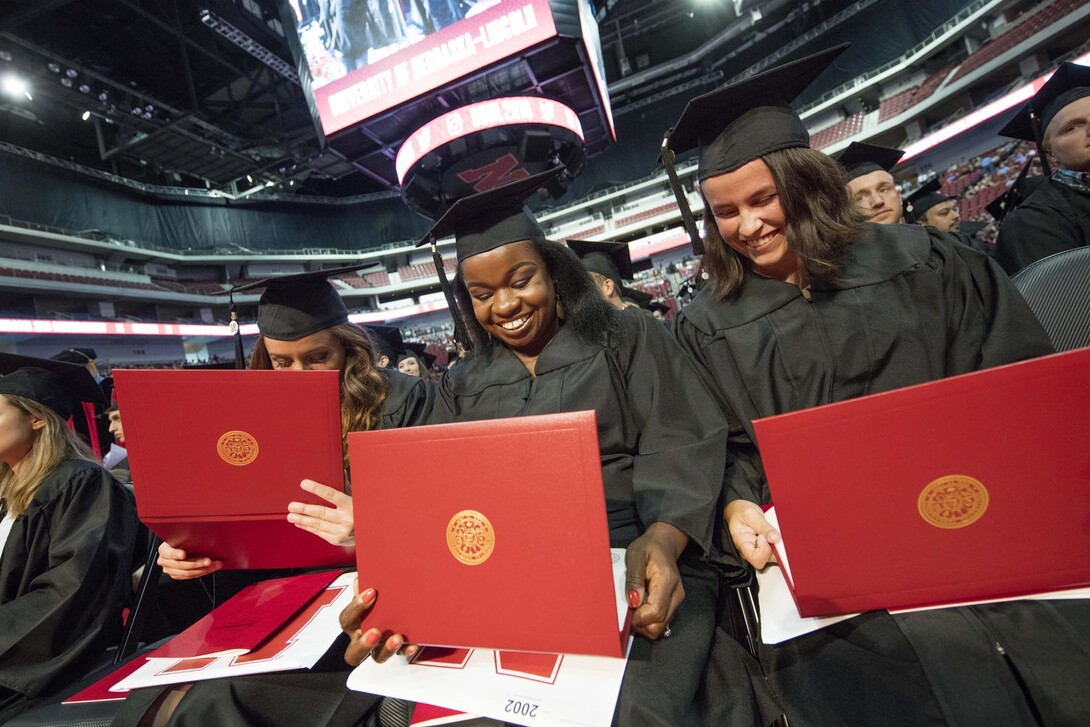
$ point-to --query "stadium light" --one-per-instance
(86, 115)
(15, 87)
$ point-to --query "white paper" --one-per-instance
(549, 689)
(298, 646)
(780, 619)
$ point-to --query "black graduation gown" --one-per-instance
(662, 445)
(315, 697)
(1052, 219)
(64, 576)
(913, 307)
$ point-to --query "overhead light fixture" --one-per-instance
(55, 67)
(103, 96)
(15, 87)
(5, 56)
(71, 73)
(86, 115)
(84, 88)
(249, 179)
(66, 81)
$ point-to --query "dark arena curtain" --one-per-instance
(35, 192)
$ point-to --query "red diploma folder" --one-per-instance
(489, 534)
(972, 487)
(216, 456)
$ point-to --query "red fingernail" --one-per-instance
(394, 644)
(633, 599)
(371, 637)
(367, 595)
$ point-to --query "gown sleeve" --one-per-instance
(77, 546)
(410, 401)
(1030, 233)
(990, 323)
(678, 470)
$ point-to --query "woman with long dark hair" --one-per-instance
(542, 340)
(67, 531)
(806, 304)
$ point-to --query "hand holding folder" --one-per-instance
(752, 533)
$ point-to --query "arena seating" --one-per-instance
(192, 287)
(78, 279)
(647, 214)
(1026, 28)
(899, 102)
(840, 130)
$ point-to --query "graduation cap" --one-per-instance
(1068, 84)
(860, 159)
(295, 306)
(76, 355)
(491, 219)
(388, 341)
(483, 222)
(656, 306)
(971, 227)
(742, 121)
(605, 257)
(58, 385)
(924, 198)
(419, 351)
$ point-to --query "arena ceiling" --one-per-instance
(203, 94)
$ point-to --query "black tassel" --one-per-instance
(240, 358)
(460, 330)
(687, 219)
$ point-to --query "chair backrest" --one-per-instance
(1057, 289)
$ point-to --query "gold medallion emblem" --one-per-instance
(954, 501)
(237, 448)
(470, 537)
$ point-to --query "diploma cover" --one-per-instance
(972, 487)
(216, 456)
(488, 534)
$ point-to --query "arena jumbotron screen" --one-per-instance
(367, 57)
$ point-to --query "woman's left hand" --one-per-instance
(653, 582)
(332, 524)
(374, 643)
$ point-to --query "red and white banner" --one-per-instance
(479, 117)
(455, 51)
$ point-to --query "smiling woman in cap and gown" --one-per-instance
(67, 531)
(1056, 216)
(807, 305)
(542, 340)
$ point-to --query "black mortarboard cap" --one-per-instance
(295, 306)
(491, 219)
(419, 351)
(76, 355)
(738, 123)
(971, 227)
(608, 258)
(924, 198)
(859, 159)
(59, 385)
(1068, 84)
(388, 341)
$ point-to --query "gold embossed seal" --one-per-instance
(237, 447)
(470, 537)
(954, 501)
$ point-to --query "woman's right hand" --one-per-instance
(751, 532)
(178, 566)
(373, 642)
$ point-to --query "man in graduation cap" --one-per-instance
(609, 264)
(1056, 216)
(88, 421)
(805, 306)
(929, 206)
(870, 182)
